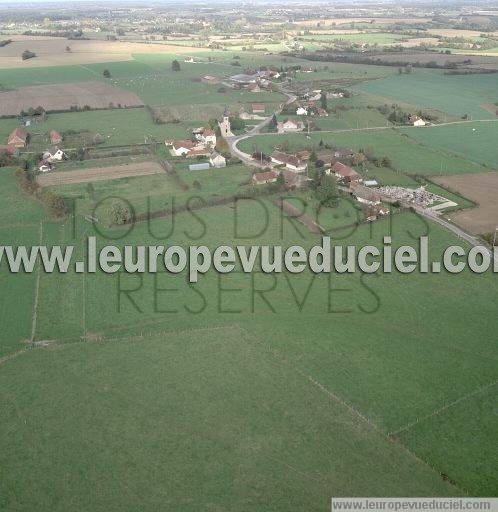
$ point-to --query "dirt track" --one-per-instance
(99, 174)
(304, 219)
(480, 188)
(64, 96)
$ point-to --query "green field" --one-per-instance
(407, 155)
(246, 392)
(152, 387)
(454, 95)
(474, 141)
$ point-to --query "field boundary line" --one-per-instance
(351, 408)
(436, 412)
(34, 318)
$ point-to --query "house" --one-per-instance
(9, 150)
(366, 195)
(293, 180)
(217, 160)
(208, 137)
(322, 112)
(306, 69)
(258, 108)
(343, 153)
(55, 138)
(181, 147)
(18, 138)
(291, 162)
(345, 173)
(44, 166)
(198, 151)
(417, 121)
(289, 125)
(189, 60)
(262, 178)
(54, 155)
(301, 111)
(254, 88)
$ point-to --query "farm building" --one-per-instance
(181, 147)
(291, 162)
(258, 108)
(54, 155)
(301, 111)
(198, 151)
(345, 173)
(44, 166)
(262, 178)
(199, 167)
(217, 160)
(366, 195)
(344, 153)
(55, 138)
(209, 137)
(244, 79)
(18, 138)
(417, 121)
(208, 79)
(289, 125)
(322, 112)
(254, 88)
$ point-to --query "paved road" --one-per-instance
(459, 232)
(426, 213)
(233, 141)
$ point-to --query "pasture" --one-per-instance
(379, 382)
(453, 94)
(406, 155)
(475, 141)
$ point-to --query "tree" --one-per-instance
(27, 54)
(175, 66)
(106, 73)
(326, 190)
(55, 204)
(323, 100)
(119, 214)
(273, 122)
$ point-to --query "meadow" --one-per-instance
(384, 350)
(474, 141)
(407, 155)
(431, 89)
(244, 391)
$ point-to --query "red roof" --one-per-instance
(261, 177)
(10, 150)
(55, 137)
(18, 134)
(343, 170)
(209, 133)
(187, 144)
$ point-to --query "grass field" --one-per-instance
(473, 141)
(409, 366)
(407, 155)
(455, 95)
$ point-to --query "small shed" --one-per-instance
(199, 167)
